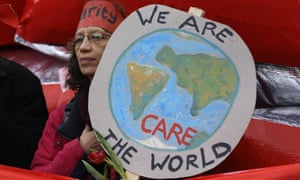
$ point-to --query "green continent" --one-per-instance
(205, 77)
(145, 83)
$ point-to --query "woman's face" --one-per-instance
(89, 47)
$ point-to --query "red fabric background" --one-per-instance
(270, 28)
(49, 21)
(6, 31)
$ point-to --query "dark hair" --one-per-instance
(75, 79)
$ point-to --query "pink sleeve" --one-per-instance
(54, 154)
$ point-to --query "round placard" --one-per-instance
(173, 93)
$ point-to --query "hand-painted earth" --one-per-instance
(169, 85)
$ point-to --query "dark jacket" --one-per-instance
(23, 114)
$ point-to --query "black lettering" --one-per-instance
(128, 153)
(223, 148)
(204, 163)
(83, 15)
(172, 168)
(209, 26)
(98, 11)
(120, 146)
(113, 18)
(111, 135)
(144, 21)
(161, 17)
(104, 12)
(91, 10)
(191, 21)
(190, 160)
(223, 34)
(158, 165)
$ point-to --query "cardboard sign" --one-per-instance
(173, 93)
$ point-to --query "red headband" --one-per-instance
(100, 13)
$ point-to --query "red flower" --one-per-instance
(97, 157)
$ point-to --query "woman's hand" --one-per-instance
(88, 140)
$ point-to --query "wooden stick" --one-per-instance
(131, 176)
(196, 11)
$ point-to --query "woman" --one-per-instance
(67, 137)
